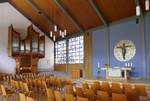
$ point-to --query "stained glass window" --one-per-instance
(60, 52)
(76, 50)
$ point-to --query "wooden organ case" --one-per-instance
(26, 52)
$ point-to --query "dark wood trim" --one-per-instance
(34, 5)
(98, 12)
(2, 1)
(72, 19)
(36, 24)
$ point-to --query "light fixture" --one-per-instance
(60, 32)
(51, 34)
(147, 5)
(55, 28)
(54, 38)
(138, 10)
(65, 32)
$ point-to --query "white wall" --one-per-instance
(9, 15)
(47, 63)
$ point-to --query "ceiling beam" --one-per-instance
(40, 11)
(2, 1)
(73, 20)
(98, 12)
(36, 24)
(69, 36)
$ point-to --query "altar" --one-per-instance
(117, 72)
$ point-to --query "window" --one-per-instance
(60, 52)
(76, 50)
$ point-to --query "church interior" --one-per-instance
(74, 50)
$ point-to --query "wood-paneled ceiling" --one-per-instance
(81, 13)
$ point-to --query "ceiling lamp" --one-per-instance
(56, 30)
(65, 32)
(61, 33)
(51, 34)
(138, 10)
(54, 39)
(147, 5)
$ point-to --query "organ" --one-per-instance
(26, 51)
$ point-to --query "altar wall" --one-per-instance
(124, 30)
(147, 30)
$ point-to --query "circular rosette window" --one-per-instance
(124, 50)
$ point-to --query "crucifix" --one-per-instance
(124, 49)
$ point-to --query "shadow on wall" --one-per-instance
(45, 65)
(7, 64)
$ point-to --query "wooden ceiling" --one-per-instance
(74, 15)
(116, 9)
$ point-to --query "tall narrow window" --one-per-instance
(60, 52)
(76, 50)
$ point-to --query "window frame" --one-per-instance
(60, 52)
(76, 42)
